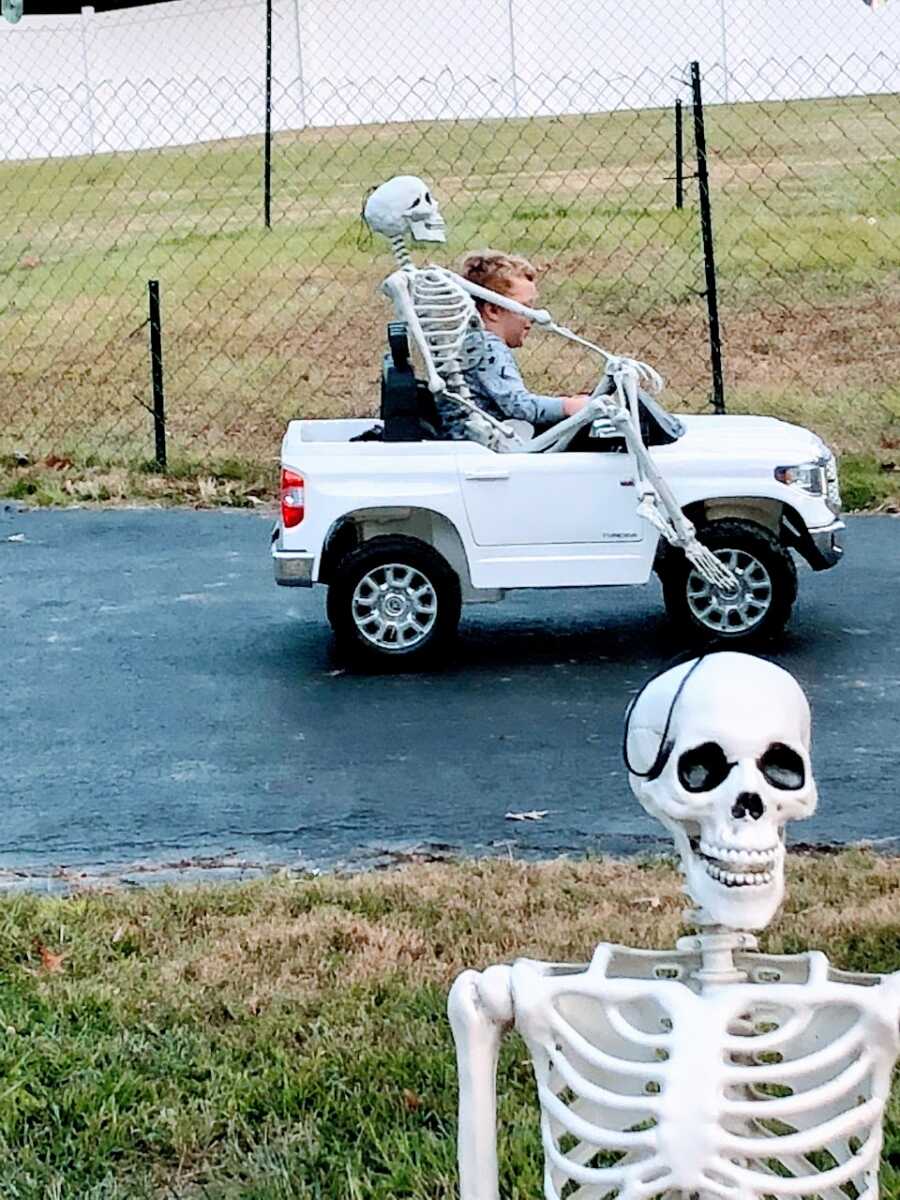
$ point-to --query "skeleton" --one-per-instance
(709, 1070)
(439, 309)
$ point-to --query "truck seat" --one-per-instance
(408, 409)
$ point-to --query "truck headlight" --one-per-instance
(808, 476)
(816, 478)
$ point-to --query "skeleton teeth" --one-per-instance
(737, 862)
(737, 878)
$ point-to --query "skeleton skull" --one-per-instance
(718, 751)
(404, 205)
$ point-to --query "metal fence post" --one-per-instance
(300, 80)
(156, 374)
(87, 15)
(709, 261)
(267, 168)
(512, 56)
(679, 156)
(723, 34)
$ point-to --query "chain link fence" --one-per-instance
(545, 131)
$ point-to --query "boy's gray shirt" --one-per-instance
(497, 387)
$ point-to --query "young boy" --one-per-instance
(495, 381)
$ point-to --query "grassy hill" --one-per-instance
(263, 325)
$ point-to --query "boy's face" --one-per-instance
(511, 328)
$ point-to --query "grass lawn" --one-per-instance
(260, 326)
(287, 1038)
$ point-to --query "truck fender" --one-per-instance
(353, 529)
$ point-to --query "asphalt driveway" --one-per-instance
(164, 703)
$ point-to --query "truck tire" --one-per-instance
(394, 602)
(768, 585)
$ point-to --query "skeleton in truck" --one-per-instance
(708, 1070)
(438, 308)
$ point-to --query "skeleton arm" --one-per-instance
(652, 483)
(480, 1008)
(625, 375)
(652, 486)
(540, 316)
(396, 287)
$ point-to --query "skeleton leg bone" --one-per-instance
(674, 525)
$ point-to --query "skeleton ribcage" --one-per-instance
(447, 315)
(651, 1089)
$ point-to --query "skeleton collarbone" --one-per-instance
(650, 1083)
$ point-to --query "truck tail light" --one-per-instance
(293, 498)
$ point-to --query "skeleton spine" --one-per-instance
(401, 253)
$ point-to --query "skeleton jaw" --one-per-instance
(734, 867)
(736, 887)
(433, 229)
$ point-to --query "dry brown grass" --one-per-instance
(423, 924)
(288, 1038)
(779, 359)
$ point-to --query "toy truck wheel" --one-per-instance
(394, 600)
(767, 585)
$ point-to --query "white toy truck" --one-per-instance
(404, 532)
(404, 526)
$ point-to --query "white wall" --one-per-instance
(193, 70)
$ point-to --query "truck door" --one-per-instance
(551, 499)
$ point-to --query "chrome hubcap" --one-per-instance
(394, 607)
(737, 611)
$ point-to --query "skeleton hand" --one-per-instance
(620, 367)
(496, 437)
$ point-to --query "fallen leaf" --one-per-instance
(652, 901)
(30, 261)
(118, 935)
(50, 962)
(411, 1100)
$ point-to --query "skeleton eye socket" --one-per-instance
(703, 768)
(783, 767)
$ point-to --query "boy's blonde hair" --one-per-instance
(495, 270)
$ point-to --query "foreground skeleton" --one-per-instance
(709, 1070)
(438, 307)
